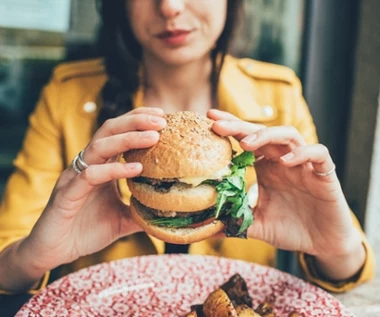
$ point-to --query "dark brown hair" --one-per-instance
(122, 55)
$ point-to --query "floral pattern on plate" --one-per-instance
(167, 285)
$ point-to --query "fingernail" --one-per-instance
(250, 138)
(223, 123)
(287, 157)
(158, 110)
(133, 166)
(156, 119)
(149, 135)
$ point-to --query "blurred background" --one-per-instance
(333, 45)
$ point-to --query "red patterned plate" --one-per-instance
(166, 285)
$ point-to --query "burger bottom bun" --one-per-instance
(179, 198)
(174, 235)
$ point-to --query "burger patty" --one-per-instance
(175, 219)
(172, 219)
(160, 185)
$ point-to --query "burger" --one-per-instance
(191, 186)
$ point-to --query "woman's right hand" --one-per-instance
(85, 213)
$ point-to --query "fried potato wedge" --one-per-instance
(265, 309)
(237, 290)
(218, 304)
(232, 299)
(246, 311)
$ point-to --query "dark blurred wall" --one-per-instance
(327, 72)
(364, 110)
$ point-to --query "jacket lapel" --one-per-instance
(239, 93)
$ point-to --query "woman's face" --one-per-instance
(177, 31)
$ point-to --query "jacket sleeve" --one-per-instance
(304, 123)
(37, 167)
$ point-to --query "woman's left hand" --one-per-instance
(297, 209)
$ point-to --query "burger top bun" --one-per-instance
(187, 148)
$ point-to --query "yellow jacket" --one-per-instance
(65, 120)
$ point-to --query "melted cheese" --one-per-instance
(195, 181)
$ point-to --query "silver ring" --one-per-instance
(78, 164)
(74, 165)
(81, 160)
(325, 174)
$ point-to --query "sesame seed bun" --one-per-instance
(187, 148)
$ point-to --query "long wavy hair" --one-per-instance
(123, 53)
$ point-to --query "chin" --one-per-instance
(182, 55)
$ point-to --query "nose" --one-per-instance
(171, 8)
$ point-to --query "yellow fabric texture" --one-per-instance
(61, 126)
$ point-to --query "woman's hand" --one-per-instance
(296, 209)
(85, 213)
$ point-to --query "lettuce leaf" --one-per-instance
(232, 190)
(243, 160)
(180, 221)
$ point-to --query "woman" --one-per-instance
(170, 55)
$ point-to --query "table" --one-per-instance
(363, 301)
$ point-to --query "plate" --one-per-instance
(166, 285)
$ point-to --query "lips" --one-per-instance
(167, 34)
(174, 37)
